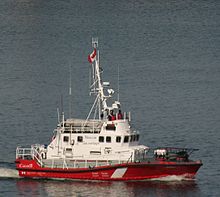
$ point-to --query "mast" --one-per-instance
(100, 89)
(97, 86)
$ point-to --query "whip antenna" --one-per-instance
(70, 92)
(118, 82)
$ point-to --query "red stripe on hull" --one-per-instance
(131, 171)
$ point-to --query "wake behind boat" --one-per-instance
(103, 147)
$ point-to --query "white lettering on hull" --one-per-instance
(25, 165)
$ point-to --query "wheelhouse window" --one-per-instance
(108, 139)
(126, 139)
(110, 127)
(101, 139)
(66, 139)
(132, 138)
(80, 138)
(137, 137)
(118, 139)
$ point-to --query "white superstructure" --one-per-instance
(107, 136)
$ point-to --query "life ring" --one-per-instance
(43, 155)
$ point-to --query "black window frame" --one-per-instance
(79, 138)
(132, 138)
(118, 139)
(126, 139)
(108, 139)
(110, 127)
(137, 137)
(103, 139)
(65, 138)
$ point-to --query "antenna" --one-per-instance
(95, 42)
(118, 81)
(58, 115)
(70, 92)
(61, 102)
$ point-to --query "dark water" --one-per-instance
(168, 54)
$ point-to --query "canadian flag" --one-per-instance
(92, 56)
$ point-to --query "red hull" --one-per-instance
(121, 172)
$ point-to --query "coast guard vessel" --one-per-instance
(102, 147)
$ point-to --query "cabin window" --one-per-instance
(101, 139)
(110, 127)
(79, 138)
(118, 139)
(66, 139)
(137, 137)
(132, 138)
(126, 139)
(68, 149)
(95, 152)
(108, 139)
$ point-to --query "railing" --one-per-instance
(66, 164)
(130, 158)
(33, 154)
(81, 129)
(24, 153)
(29, 153)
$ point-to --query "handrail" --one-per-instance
(53, 163)
(130, 158)
(33, 153)
(37, 156)
(82, 129)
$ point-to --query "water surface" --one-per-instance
(168, 55)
